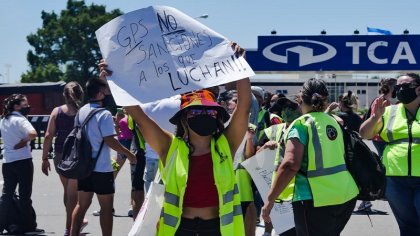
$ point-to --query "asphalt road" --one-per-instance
(47, 201)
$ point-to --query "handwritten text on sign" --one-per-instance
(157, 52)
(261, 167)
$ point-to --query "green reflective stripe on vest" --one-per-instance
(228, 218)
(170, 220)
(326, 171)
(405, 140)
(228, 197)
(172, 199)
(317, 145)
(391, 123)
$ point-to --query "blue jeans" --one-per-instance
(150, 172)
(403, 194)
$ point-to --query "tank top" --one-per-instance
(63, 126)
(201, 189)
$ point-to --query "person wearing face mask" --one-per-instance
(201, 196)
(273, 138)
(399, 126)
(101, 135)
(324, 194)
(201, 193)
(18, 169)
(388, 92)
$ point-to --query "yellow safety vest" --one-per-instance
(276, 133)
(329, 180)
(132, 126)
(262, 123)
(244, 181)
(401, 155)
(230, 212)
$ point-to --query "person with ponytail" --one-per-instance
(18, 169)
(348, 107)
(325, 193)
(60, 125)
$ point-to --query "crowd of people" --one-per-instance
(200, 139)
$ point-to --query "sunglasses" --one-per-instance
(204, 111)
(405, 86)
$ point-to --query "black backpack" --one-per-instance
(365, 166)
(11, 217)
(77, 161)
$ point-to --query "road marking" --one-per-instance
(1, 182)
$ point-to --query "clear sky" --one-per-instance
(240, 21)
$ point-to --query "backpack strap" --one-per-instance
(90, 115)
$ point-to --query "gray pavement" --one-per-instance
(47, 201)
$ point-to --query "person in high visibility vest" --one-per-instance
(243, 179)
(201, 196)
(399, 126)
(325, 193)
(273, 138)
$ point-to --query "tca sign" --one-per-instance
(336, 53)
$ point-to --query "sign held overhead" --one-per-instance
(157, 52)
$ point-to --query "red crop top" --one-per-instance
(201, 189)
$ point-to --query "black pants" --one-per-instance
(322, 221)
(198, 227)
(20, 173)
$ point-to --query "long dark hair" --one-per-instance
(414, 76)
(387, 84)
(182, 132)
(349, 101)
(10, 102)
(315, 94)
(73, 94)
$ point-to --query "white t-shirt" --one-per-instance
(13, 129)
(99, 126)
(161, 111)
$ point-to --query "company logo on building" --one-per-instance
(306, 54)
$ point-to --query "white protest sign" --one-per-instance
(261, 167)
(157, 52)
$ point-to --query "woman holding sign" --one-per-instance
(325, 193)
(201, 195)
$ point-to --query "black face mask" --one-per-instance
(25, 110)
(203, 125)
(107, 101)
(406, 94)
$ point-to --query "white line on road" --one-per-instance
(1, 182)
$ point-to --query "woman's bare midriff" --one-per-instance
(206, 213)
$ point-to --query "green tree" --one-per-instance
(65, 48)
